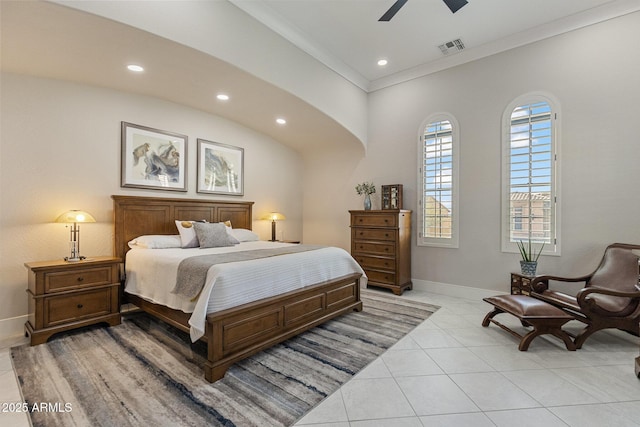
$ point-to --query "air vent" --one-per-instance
(453, 46)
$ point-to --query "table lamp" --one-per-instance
(74, 217)
(273, 217)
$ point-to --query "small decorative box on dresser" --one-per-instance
(66, 295)
(381, 243)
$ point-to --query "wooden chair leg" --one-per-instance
(584, 334)
(490, 316)
(554, 329)
(526, 340)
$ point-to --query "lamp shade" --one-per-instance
(274, 216)
(73, 216)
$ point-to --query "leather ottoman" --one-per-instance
(543, 317)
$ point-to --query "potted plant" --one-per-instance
(529, 262)
(366, 188)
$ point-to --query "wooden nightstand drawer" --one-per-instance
(79, 278)
(373, 234)
(376, 262)
(76, 306)
(373, 248)
(375, 220)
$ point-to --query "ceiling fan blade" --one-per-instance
(393, 10)
(455, 5)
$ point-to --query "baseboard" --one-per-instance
(12, 331)
(456, 291)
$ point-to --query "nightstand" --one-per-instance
(66, 295)
(521, 284)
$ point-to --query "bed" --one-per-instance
(237, 332)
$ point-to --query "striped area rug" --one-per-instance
(146, 373)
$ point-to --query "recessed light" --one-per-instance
(382, 62)
(135, 68)
(222, 97)
(281, 121)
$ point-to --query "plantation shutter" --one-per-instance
(437, 161)
(531, 174)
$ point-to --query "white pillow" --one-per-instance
(187, 233)
(244, 235)
(214, 235)
(156, 242)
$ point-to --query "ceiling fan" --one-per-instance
(454, 5)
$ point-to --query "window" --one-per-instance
(438, 182)
(530, 196)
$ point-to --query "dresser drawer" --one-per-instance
(373, 234)
(374, 220)
(78, 278)
(376, 262)
(380, 277)
(77, 306)
(388, 249)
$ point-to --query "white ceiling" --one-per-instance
(347, 36)
(49, 40)
(45, 39)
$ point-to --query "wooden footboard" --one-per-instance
(237, 333)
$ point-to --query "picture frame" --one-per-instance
(392, 196)
(220, 168)
(153, 158)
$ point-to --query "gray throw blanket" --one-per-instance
(192, 271)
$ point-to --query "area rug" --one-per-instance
(147, 373)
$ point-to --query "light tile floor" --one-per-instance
(450, 371)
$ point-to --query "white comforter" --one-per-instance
(151, 274)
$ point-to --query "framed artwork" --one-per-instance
(153, 159)
(220, 168)
(392, 196)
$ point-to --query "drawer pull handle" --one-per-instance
(80, 306)
(80, 279)
(386, 249)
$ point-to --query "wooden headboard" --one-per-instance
(136, 216)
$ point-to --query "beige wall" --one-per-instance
(60, 150)
(594, 75)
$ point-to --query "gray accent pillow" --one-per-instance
(213, 235)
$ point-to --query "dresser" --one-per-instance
(66, 295)
(381, 243)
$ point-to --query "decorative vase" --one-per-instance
(367, 202)
(528, 268)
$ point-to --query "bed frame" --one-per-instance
(239, 332)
